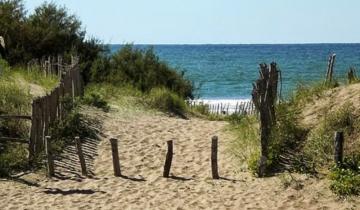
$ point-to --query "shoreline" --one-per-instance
(226, 106)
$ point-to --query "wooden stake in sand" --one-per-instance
(50, 161)
(168, 160)
(81, 156)
(339, 145)
(214, 165)
(115, 155)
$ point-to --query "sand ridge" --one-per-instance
(142, 149)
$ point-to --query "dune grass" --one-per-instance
(246, 145)
(130, 99)
(15, 99)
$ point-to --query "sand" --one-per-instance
(142, 147)
(331, 101)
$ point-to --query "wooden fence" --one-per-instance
(50, 108)
(240, 108)
(51, 65)
(47, 109)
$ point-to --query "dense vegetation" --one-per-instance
(142, 69)
(48, 31)
(15, 99)
(51, 31)
(295, 147)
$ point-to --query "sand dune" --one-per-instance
(142, 148)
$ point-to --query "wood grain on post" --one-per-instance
(339, 145)
(32, 133)
(264, 97)
(115, 156)
(50, 161)
(214, 165)
(168, 160)
(81, 156)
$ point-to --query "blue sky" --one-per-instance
(217, 21)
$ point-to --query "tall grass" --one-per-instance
(320, 144)
(15, 99)
(246, 146)
(23, 76)
(167, 101)
(130, 98)
(124, 96)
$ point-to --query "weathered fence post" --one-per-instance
(264, 96)
(50, 161)
(81, 156)
(168, 160)
(352, 75)
(214, 164)
(339, 145)
(330, 69)
(115, 156)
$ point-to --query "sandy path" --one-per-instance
(142, 147)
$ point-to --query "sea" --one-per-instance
(226, 72)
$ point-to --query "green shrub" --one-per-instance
(96, 100)
(141, 69)
(100, 69)
(13, 158)
(75, 124)
(286, 138)
(346, 178)
(235, 118)
(167, 101)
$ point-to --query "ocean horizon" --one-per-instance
(226, 72)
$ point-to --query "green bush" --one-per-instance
(141, 69)
(50, 30)
(167, 101)
(346, 178)
(96, 100)
(75, 124)
(13, 158)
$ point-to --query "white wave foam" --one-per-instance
(227, 106)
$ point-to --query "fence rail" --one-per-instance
(50, 108)
(20, 117)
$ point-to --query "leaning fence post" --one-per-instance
(81, 156)
(115, 155)
(50, 161)
(214, 165)
(168, 160)
(339, 145)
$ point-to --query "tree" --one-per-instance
(12, 20)
(53, 31)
